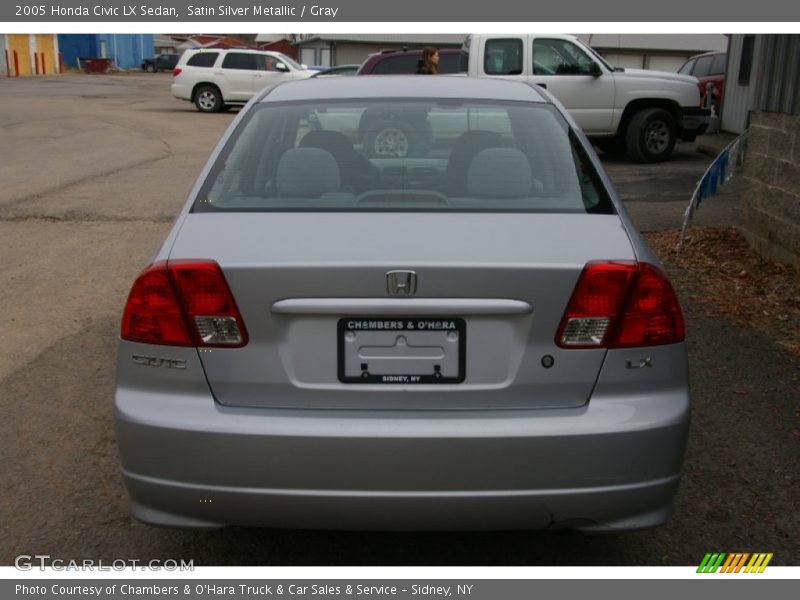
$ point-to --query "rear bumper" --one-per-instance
(609, 508)
(612, 464)
(181, 91)
(694, 122)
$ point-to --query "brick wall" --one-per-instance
(770, 213)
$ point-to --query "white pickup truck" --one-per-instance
(643, 112)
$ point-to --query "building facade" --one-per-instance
(665, 52)
(763, 93)
(345, 49)
(27, 54)
(659, 52)
(127, 50)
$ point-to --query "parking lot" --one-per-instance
(94, 169)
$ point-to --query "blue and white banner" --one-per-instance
(719, 172)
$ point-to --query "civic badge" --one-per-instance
(401, 283)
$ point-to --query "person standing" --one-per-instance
(429, 63)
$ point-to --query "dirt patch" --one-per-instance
(717, 269)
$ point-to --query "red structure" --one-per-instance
(97, 65)
(220, 41)
(284, 46)
(16, 64)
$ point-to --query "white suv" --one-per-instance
(216, 78)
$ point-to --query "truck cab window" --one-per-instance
(503, 57)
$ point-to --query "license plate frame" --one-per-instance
(406, 327)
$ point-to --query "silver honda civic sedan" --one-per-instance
(407, 303)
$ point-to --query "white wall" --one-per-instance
(671, 42)
(355, 54)
(658, 52)
(736, 104)
(627, 61)
(307, 56)
(666, 63)
(3, 47)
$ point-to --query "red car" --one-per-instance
(708, 67)
(405, 62)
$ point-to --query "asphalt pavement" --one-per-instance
(94, 169)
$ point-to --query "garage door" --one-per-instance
(20, 43)
(46, 50)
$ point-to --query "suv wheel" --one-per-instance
(651, 135)
(207, 98)
(151, 68)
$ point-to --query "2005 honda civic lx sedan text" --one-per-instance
(407, 303)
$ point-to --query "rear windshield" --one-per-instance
(403, 155)
(407, 64)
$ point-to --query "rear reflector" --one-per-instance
(218, 330)
(176, 71)
(585, 330)
(183, 303)
(620, 305)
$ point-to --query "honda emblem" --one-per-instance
(401, 283)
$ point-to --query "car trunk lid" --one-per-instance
(491, 289)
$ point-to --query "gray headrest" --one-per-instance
(307, 173)
(499, 173)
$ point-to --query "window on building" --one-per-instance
(325, 57)
(308, 56)
(746, 61)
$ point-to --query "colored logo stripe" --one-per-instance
(734, 563)
(711, 562)
(758, 563)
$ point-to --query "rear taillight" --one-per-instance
(176, 71)
(183, 303)
(652, 315)
(621, 305)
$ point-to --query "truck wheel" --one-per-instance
(151, 68)
(651, 135)
(208, 99)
